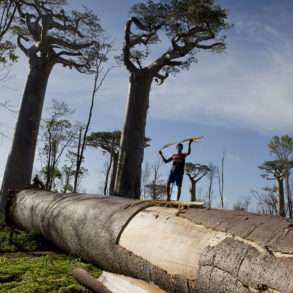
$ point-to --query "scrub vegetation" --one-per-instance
(29, 264)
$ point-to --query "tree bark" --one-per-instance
(281, 200)
(192, 191)
(133, 136)
(19, 166)
(199, 250)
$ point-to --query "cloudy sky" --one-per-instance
(238, 99)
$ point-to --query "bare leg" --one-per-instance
(178, 193)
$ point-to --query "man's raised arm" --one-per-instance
(189, 148)
(163, 158)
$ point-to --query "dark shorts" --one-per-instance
(175, 177)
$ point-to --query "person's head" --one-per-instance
(179, 147)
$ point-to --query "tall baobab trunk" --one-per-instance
(115, 157)
(133, 136)
(200, 250)
(19, 166)
(281, 200)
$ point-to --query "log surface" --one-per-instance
(194, 250)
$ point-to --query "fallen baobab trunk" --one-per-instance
(192, 250)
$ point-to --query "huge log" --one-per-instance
(192, 250)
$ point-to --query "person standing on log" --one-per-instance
(177, 170)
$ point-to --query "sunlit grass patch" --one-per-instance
(49, 273)
(26, 266)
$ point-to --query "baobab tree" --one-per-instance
(282, 148)
(48, 36)
(195, 172)
(277, 170)
(190, 26)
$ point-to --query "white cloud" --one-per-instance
(247, 87)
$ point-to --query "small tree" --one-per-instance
(100, 76)
(156, 189)
(195, 173)
(57, 136)
(190, 26)
(48, 36)
(108, 142)
(221, 181)
(242, 205)
(211, 176)
(266, 199)
(277, 170)
(282, 148)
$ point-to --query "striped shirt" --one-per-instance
(178, 162)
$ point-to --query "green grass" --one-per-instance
(27, 267)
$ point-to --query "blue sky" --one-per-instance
(237, 100)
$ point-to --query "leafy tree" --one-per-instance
(195, 173)
(71, 180)
(108, 142)
(282, 148)
(277, 170)
(68, 174)
(156, 191)
(7, 15)
(190, 26)
(58, 135)
(48, 36)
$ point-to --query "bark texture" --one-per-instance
(133, 136)
(19, 166)
(226, 251)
